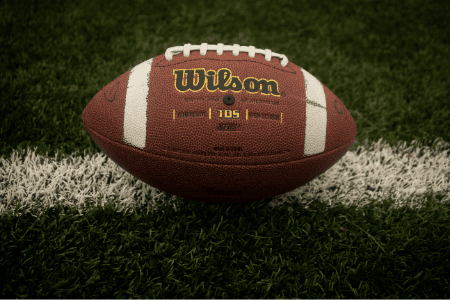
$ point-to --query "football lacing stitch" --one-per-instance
(219, 48)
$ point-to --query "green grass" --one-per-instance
(390, 70)
(201, 250)
(388, 63)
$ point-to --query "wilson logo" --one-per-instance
(195, 80)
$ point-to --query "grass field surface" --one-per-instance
(73, 224)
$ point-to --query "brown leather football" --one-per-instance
(220, 123)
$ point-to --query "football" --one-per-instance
(220, 123)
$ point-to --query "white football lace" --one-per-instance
(219, 48)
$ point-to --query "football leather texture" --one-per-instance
(218, 123)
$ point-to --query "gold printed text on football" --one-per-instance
(194, 80)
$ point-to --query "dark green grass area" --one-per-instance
(229, 251)
(388, 63)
